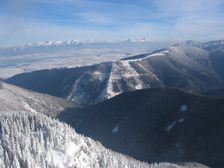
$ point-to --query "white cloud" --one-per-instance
(94, 17)
(20, 31)
(193, 19)
(189, 7)
(170, 19)
(200, 29)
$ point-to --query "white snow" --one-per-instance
(180, 120)
(109, 89)
(174, 123)
(58, 158)
(169, 127)
(121, 70)
(162, 53)
(115, 129)
(131, 72)
(27, 107)
(66, 158)
(183, 108)
(71, 148)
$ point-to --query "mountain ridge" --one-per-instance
(183, 67)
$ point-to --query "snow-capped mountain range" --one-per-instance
(49, 46)
(75, 42)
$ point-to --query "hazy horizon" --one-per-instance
(27, 21)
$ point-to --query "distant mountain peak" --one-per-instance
(136, 40)
(54, 43)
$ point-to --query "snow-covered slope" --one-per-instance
(35, 141)
(182, 67)
(13, 98)
(111, 79)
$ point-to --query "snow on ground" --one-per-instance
(180, 120)
(109, 89)
(131, 72)
(121, 70)
(173, 124)
(183, 108)
(27, 107)
(115, 129)
(65, 158)
(162, 53)
(170, 126)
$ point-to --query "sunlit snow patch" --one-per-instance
(183, 108)
(180, 120)
(174, 123)
(169, 127)
(115, 129)
(27, 107)
(161, 53)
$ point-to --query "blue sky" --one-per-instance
(24, 21)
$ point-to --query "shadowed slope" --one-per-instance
(157, 125)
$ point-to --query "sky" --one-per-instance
(25, 21)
